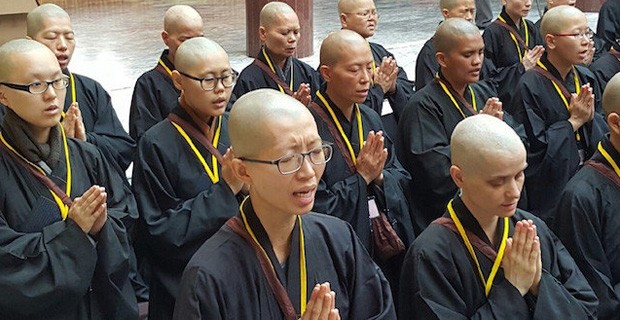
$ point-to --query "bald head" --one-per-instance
(337, 43)
(555, 20)
(451, 31)
(257, 110)
(36, 18)
(611, 96)
(272, 11)
(179, 16)
(194, 50)
(449, 4)
(14, 48)
(479, 139)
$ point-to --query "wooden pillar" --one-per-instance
(589, 5)
(303, 8)
(13, 18)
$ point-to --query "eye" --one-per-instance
(36, 85)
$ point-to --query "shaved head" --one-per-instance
(257, 110)
(36, 17)
(176, 17)
(13, 48)
(478, 139)
(449, 4)
(272, 11)
(611, 96)
(555, 20)
(450, 31)
(195, 50)
(337, 43)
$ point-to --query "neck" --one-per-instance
(487, 223)
(201, 121)
(560, 64)
(345, 106)
(516, 19)
(456, 84)
(279, 227)
(171, 57)
(41, 136)
(275, 59)
(615, 141)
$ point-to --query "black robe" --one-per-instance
(253, 77)
(608, 23)
(344, 194)
(49, 268)
(102, 126)
(604, 69)
(398, 99)
(587, 221)
(154, 96)
(505, 78)
(423, 145)
(553, 156)
(441, 281)
(180, 206)
(499, 46)
(224, 279)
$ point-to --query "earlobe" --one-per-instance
(549, 41)
(325, 73)
(457, 175)
(176, 79)
(343, 20)
(613, 121)
(441, 59)
(164, 37)
(445, 13)
(3, 98)
(262, 34)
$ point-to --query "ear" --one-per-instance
(613, 121)
(549, 41)
(326, 73)
(457, 175)
(343, 20)
(176, 79)
(441, 59)
(445, 13)
(241, 171)
(165, 37)
(262, 34)
(504, 2)
(3, 99)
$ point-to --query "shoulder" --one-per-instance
(436, 243)
(158, 134)
(303, 65)
(86, 80)
(84, 148)
(371, 115)
(428, 48)
(485, 89)
(149, 76)
(379, 48)
(585, 72)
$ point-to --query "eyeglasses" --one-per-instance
(208, 84)
(587, 35)
(291, 164)
(39, 86)
(367, 14)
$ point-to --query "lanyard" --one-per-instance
(447, 91)
(213, 173)
(73, 91)
(488, 283)
(609, 158)
(527, 36)
(360, 129)
(274, 71)
(64, 209)
(559, 91)
(161, 63)
(303, 279)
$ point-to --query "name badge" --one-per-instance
(582, 156)
(373, 210)
(387, 108)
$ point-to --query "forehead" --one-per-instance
(361, 5)
(189, 27)
(56, 24)
(355, 54)
(499, 163)
(288, 133)
(284, 20)
(572, 22)
(211, 62)
(466, 43)
(35, 64)
(460, 4)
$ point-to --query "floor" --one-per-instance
(118, 40)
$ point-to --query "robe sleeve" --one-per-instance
(144, 111)
(580, 224)
(200, 297)
(177, 226)
(108, 134)
(425, 67)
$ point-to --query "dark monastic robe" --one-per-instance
(224, 279)
(505, 78)
(253, 77)
(154, 96)
(423, 144)
(499, 46)
(587, 221)
(49, 268)
(103, 129)
(608, 23)
(554, 153)
(605, 68)
(180, 205)
(440, 279)
(397, 100)
(344, 194)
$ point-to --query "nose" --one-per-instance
(365, 78)
(307, 168)
(61, 44)
(477, 59)
(219, 85)
(292, 37)
(514, 189)
(469, 16)
(528, 3)
(49, 93)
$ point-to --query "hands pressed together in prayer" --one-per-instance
(522, 261)
(385, 75)
(581, 107)
(532, 56)
(371, 158)
(303, 94)
(90, 210)
(322, 304)
(590, 55)
(228, 175)
(73, 123)
(493, 107)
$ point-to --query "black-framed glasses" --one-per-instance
(208, 84)
(39, 87)
(292, 163)
(587, 35)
